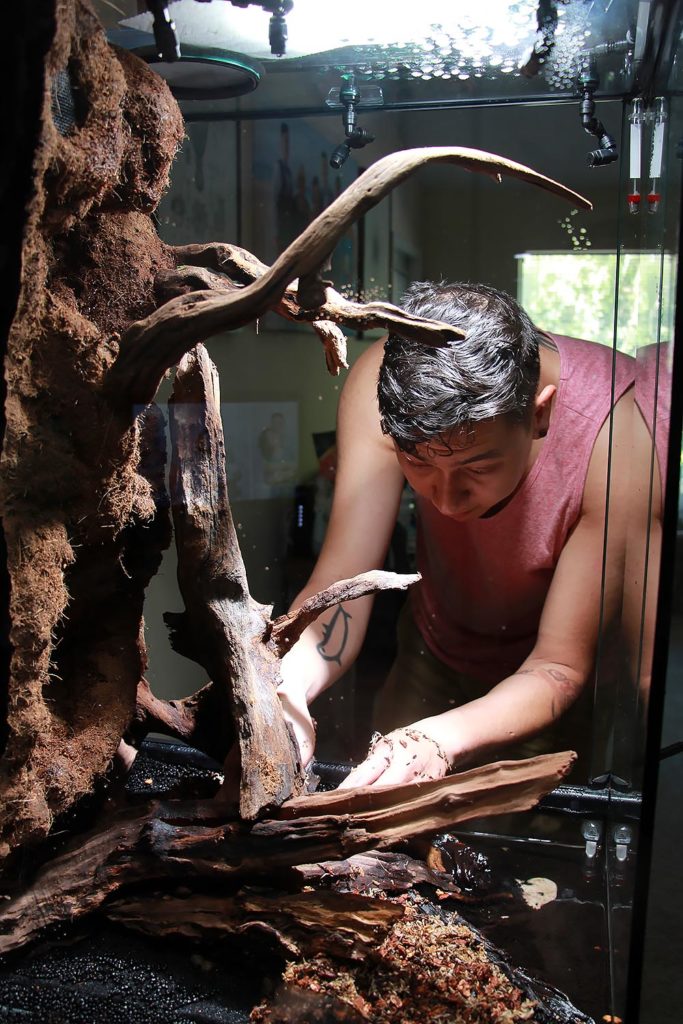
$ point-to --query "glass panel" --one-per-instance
(656, 932)
(651, 228)
(441, 224)
(253, 171)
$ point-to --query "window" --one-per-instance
(573, 293)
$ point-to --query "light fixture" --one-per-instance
(430, 39)
(201, 72)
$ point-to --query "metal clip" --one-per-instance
(592, 834)
(622, 836)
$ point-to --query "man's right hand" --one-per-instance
(298, 716)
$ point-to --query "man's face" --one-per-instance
(467, 482)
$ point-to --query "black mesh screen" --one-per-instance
(63, 105)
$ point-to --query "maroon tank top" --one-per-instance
(484, 582)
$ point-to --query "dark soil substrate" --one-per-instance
(107, 976)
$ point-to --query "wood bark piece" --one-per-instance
(346, 925)
(199, 840)
(194, 719)
(149, 347)
(381, 870)
(413, 809)
(225, 624)
(286, 630)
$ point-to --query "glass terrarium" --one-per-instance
(285, 106)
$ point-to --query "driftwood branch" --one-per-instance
(380, 869)
(176, 717)
(209, 261)
(192, 840)
(413, 809)
(345, 925)
(150, 346)
(201, 720)
(286, 630)
(171, 283)
(225, 624)
(193, 719)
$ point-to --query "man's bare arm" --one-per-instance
(367, 492)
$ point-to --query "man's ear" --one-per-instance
(542, 406)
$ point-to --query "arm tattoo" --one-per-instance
(567, 688)
(559, 676)
(335, 636)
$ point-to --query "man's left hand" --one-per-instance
(404, 755)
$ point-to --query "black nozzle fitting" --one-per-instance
(340, 155)
(349, 97)
(165, 37)
(356, 137)
(277, 35)
(607, 152)
(359, 137)
(356, 140)
(349, 92)
(277, 27)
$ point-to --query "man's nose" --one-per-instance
(451, 495)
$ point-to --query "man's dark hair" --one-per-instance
(431, 393)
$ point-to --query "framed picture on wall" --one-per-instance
(262, 449)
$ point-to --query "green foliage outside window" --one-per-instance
(574, 293)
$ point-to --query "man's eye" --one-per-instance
(483, 470)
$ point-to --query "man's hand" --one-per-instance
(404, 755)
(298, 716)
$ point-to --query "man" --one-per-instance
(505, 438)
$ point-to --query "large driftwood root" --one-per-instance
(343, 925)
(225, 624)
(204, 842)
(334, 907)
(223, 628)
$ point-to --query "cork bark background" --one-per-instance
(81, 491)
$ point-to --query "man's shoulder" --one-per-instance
(359, 417)
(369, 361)
(585, 351)
(610, 457)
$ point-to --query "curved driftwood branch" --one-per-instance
(286, 630)
(150, 346)
(198, 720)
